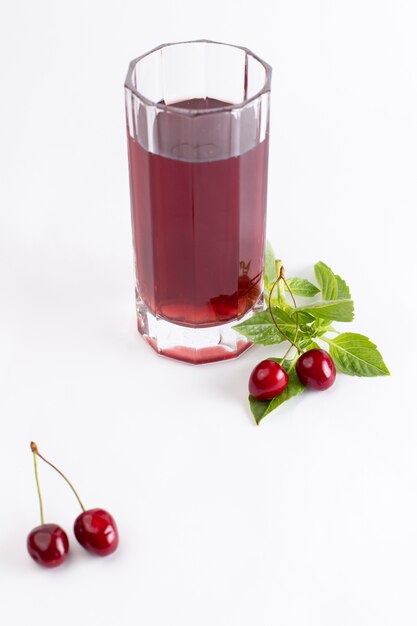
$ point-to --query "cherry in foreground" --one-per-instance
(268, 379)
(48, 545)
(96, 531)
(316, 369)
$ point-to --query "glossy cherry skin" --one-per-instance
(97, 532)
(267, 380)
(48, 545)
(316, 369)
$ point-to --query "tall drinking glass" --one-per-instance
(198, 129)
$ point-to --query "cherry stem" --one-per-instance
(38, 487)
(281, 276)
(297, 327)
(36, 453)
(280, 289)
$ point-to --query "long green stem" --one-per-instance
(35, 462)
(37, 453)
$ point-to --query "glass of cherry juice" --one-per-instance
(198, 129)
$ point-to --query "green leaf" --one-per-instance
(302, 287)
(261, 408)
(261, 329)
(304, 318)
(356, 355)
(333, 310)
(270, 274)
(326, 280)
(275, 300)
(308, 344)
(343, 291)
(331, 329)
(320, 327)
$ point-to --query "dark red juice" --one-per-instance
(199, 230)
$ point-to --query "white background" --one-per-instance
(308, 520)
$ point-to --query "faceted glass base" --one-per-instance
(193, 345)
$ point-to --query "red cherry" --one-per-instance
(267, 380)
(316, 369)
(96, 531)
(48, 545)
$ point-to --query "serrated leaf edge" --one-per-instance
(335, 346)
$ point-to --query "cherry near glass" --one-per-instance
(198, 130)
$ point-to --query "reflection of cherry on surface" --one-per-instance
(225, 307)
(235, 305)
(249, 291)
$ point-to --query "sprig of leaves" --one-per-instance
(352, 353)
(261, 329)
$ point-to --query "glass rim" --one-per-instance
(266, 88)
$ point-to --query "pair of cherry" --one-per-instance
(315, 369)
(94, 529)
